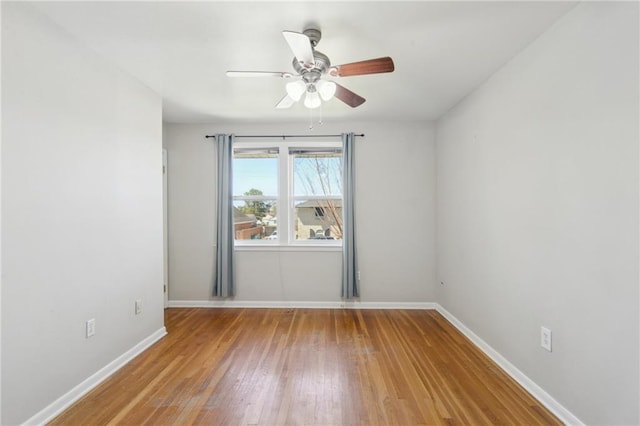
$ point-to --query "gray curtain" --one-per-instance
(223, 283)
(349, 252)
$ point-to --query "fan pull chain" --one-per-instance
(320, 122)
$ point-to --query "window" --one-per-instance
(317, 193)
(287, 194)
(255, 193)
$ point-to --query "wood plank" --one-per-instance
(312, 367)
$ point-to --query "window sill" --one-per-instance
(292, 248)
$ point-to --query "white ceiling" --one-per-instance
(441, 50)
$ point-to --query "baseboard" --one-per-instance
(66, 400)
(536, 391)
(298, 304)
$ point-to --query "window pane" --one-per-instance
(318, 219)
(317, 173)
(255, 219)
(255, 172)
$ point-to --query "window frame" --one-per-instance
(285, 200)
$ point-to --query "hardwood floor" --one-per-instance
(308, 367)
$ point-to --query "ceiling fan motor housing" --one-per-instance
(322, 64)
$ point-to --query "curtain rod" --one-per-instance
(286, 136)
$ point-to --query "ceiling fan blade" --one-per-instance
(371, 66)
(348, 97)
(300, 45)
(259, 74)
(285, 102)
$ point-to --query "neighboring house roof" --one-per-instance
(337, 202)
(239, 217)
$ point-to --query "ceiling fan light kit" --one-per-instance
(311, 66)
(312, 99)
(295, 89)
(326, 89)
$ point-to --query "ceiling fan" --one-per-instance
(312, 67)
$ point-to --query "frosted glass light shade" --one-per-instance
(312, 100)
(326, 89)
(295, 89)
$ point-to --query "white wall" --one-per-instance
(0, 229)
(537, 211)
(81, 212)
(395, 192)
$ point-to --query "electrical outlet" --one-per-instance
(91, 327)
(358, 275)
(545, 338)
(138, 307)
